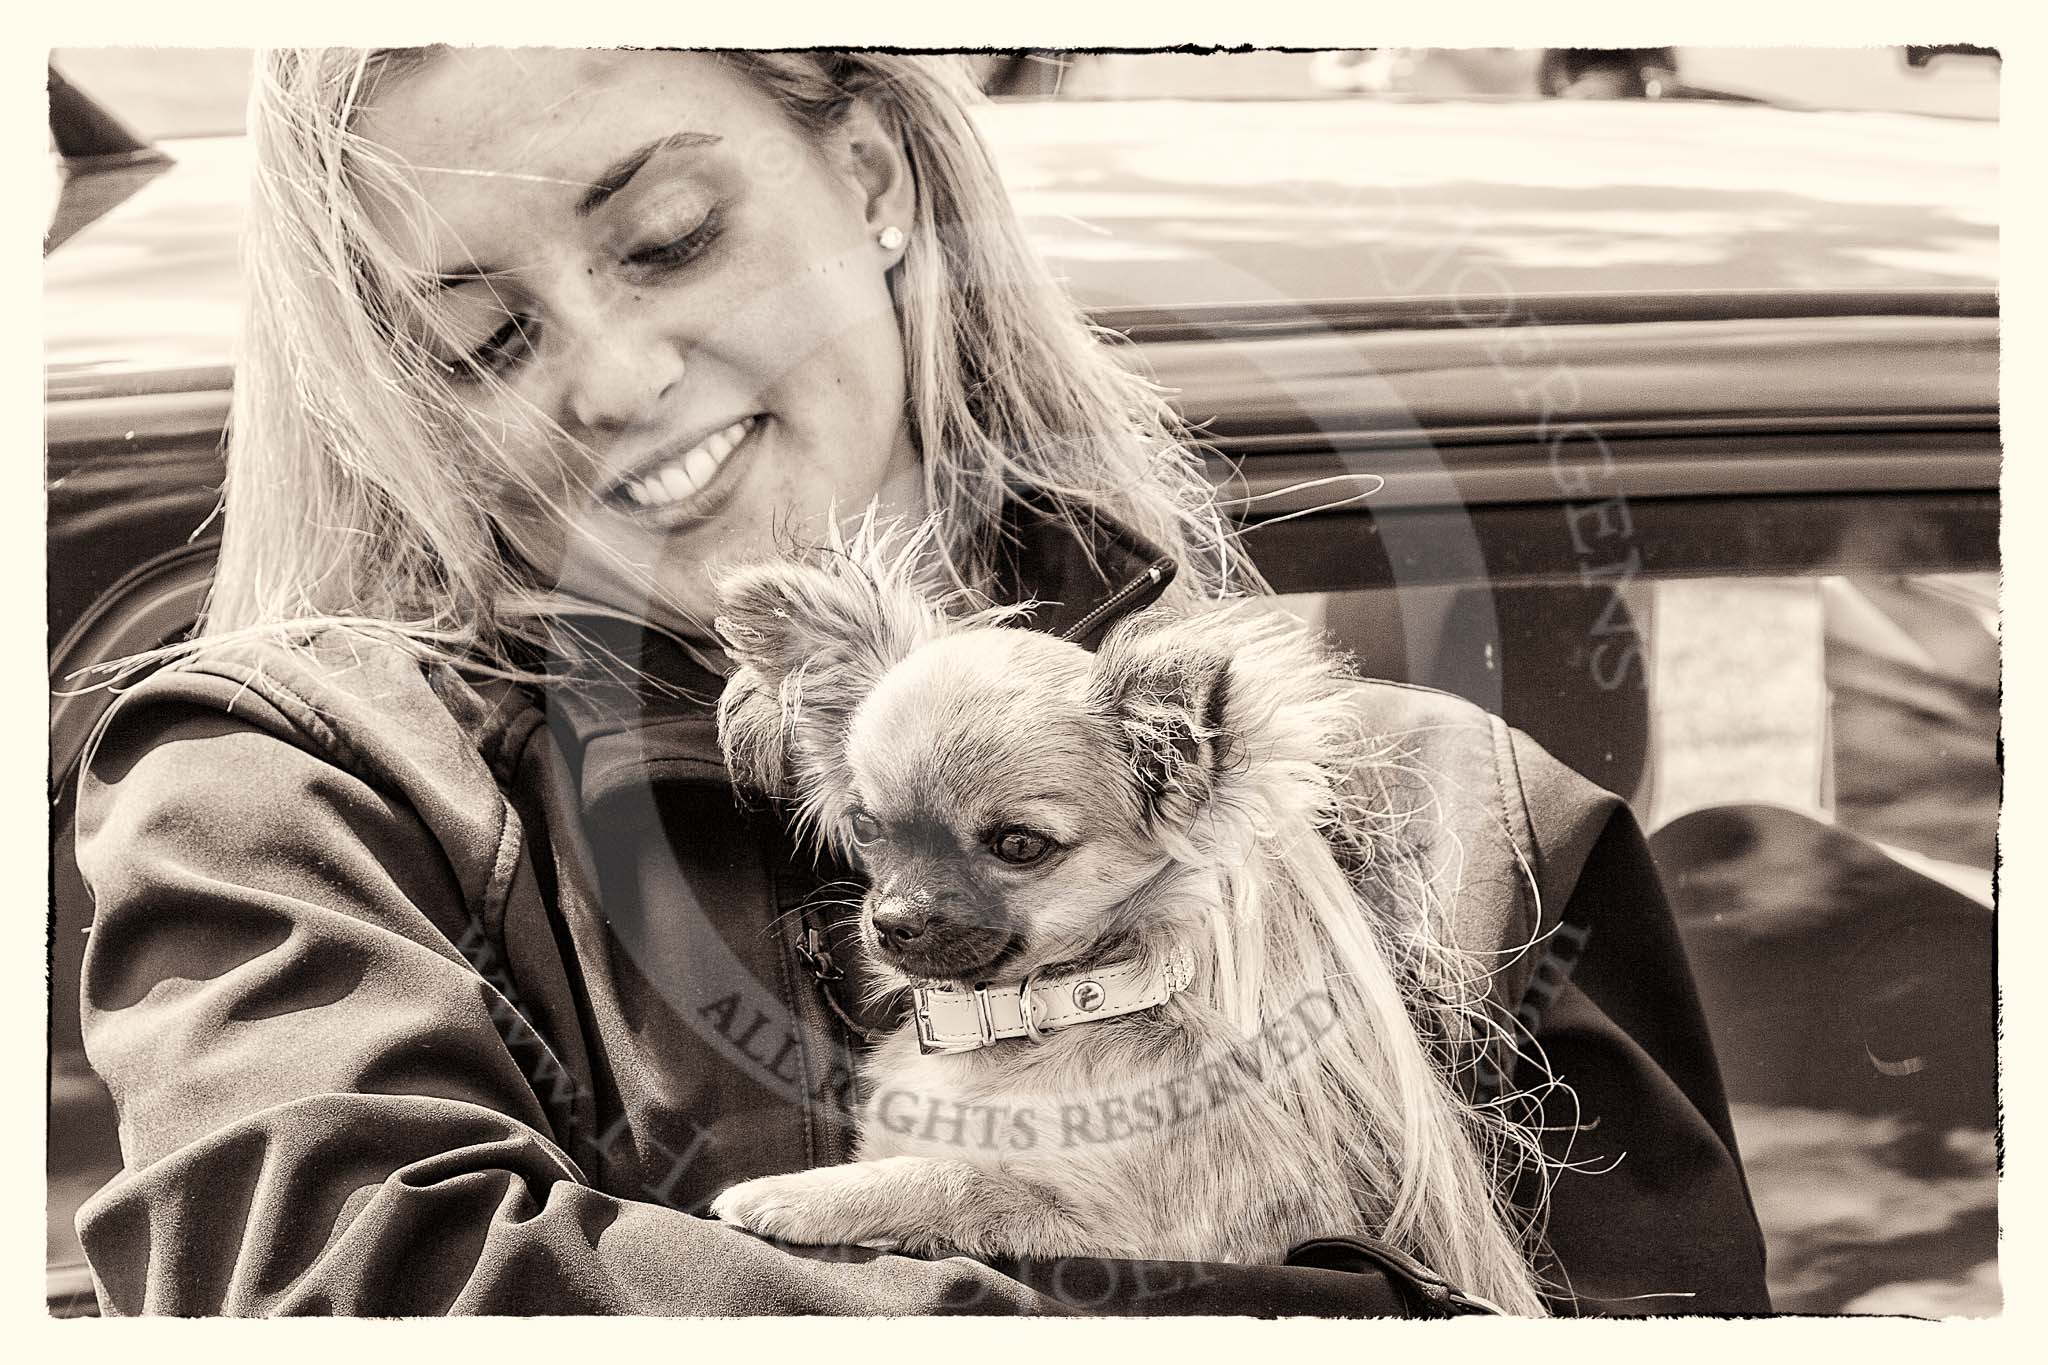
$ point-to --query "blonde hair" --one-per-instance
(342, 500)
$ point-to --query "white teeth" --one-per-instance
(687, 474)
(701, 463)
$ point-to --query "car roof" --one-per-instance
(1160, 205)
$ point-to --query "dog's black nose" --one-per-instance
(900, 923)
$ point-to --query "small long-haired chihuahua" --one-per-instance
(1154, 1013)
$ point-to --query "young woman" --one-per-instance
(436, 968)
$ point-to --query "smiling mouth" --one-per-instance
(673, 482)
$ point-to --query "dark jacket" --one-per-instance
(417, 995)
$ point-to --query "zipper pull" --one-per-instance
(817, 957)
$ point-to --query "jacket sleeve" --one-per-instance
(1651, 1214)
(318, 1113)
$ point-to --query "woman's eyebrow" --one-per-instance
(626, 167)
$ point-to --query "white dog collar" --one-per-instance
(953, 1020)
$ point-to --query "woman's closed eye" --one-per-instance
(677, 251)
(505, 348)
(479, 328)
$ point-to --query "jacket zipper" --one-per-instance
(826, 970)
(1155, 573)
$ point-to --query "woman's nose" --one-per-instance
(619, 376)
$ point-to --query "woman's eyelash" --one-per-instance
(667, 255)
(497, 354)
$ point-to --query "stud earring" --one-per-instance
(890, 237)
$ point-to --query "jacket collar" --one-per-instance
(647, 712)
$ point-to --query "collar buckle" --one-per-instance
(928, 1041)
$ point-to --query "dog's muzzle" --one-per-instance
(922, 936)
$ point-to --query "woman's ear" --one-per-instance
(1166, 692)
(876, 161)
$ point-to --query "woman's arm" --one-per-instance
(1653, 1215)
(320, 1111)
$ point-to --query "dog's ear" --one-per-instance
(1166, 691)
(812, 639)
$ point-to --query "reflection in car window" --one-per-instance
(1815, 758)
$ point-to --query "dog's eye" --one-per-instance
(1020, 846)
(866, 829)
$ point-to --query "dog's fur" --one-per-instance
(1196, 778)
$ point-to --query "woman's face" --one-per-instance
(681, 296)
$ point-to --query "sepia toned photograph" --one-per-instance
(1261, 683)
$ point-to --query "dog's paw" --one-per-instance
(822, 1207)
(771, 1206)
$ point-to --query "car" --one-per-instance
(1667, 430)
